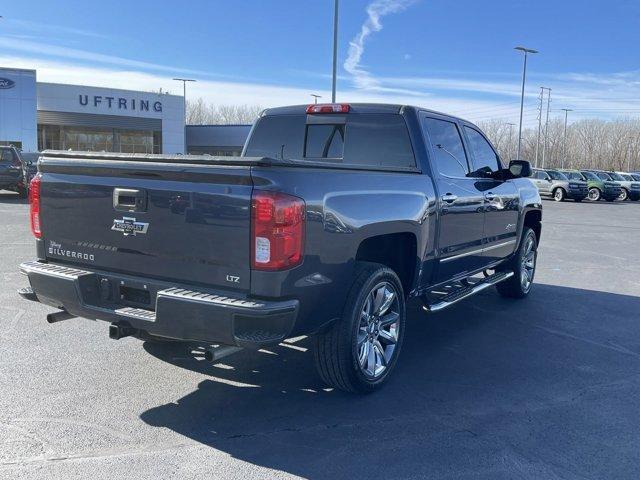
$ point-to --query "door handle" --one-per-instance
(449, 198)
(490, 197)
(129, 200)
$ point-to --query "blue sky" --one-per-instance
(456, 57)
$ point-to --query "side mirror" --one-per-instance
(520, 168)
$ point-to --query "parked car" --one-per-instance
(630, 186)
(332, 218)
(14, 171)
(554, 184)
(600, 188)
(635, 176)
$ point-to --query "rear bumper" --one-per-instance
(178, 312)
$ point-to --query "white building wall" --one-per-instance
(96, 100)
(18, 108)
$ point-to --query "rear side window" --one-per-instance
(450, 158)
(368, 140)
(483, 154)
(277, 136)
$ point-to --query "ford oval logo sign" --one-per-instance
(6, 83)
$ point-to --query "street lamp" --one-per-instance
(564, 146)
(315, 97)
(335, 50)
(184, 98)
(526, 51)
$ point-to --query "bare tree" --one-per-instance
(199, 112)
(590, 143)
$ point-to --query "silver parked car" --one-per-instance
(629, 184)
(555, 184)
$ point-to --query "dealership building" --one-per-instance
(35, 116)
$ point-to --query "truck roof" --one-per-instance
(357, 108)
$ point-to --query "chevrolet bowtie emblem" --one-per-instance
(129, 226)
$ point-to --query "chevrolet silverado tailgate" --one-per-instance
(179, 218)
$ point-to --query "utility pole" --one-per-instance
(526, 51)
(546, 128)
(184, 98)
(540, 108)
(335, 51)
(509, 152)
(564, 143)
(315, 97)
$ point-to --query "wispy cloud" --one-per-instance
(375, 11)
(48, 28)
(11, 43)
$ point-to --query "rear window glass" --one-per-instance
(369, 140)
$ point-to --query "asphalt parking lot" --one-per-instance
(544, 388)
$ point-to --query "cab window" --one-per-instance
(483, 156)
(450, 158)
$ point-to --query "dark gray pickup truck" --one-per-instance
(332, 219)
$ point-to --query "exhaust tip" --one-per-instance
(59, 316)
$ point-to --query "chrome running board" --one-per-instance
(460, 293)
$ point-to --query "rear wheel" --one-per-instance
(559, 194)
(359, 352)
(523, 266)
(594, 194)
(23, 192)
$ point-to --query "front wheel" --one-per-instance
(594, 194)
(559, 194)
(523, 266)
(360, 350)
(623, 195)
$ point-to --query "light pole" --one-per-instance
(526, 51)
(564, 146)
(335, 50)
(540, 108)
(315, 97)
(510, 153)
(184, 98)
(546, 128)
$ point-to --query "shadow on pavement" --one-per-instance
(541, 388)
(7, 196)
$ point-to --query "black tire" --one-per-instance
(338, 351)
(515, 287)
(624, 195)
(594, 194)
(559, 194)
(23, 192)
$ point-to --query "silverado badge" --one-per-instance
(129, 226)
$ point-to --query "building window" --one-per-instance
(96, 139)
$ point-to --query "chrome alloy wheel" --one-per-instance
(378, 330)
(623, 195)
(528, 266)
(594, 194)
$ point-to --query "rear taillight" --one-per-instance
(277, 226)
(34, 202)
(329, 108)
